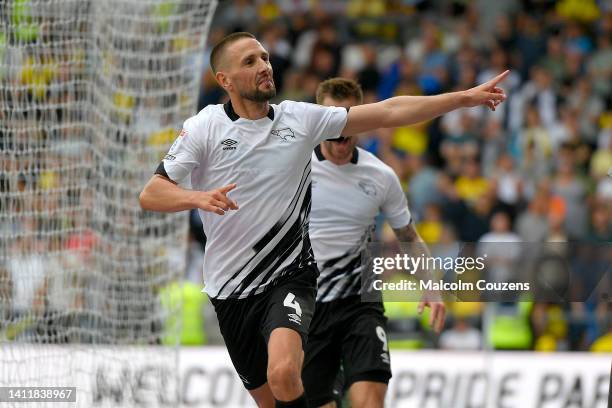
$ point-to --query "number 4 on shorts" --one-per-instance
(292, 303)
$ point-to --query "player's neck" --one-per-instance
(336, 160)
(250, 110)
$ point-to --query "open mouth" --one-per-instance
(265, 81)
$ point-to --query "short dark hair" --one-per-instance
(339, 88)
(217, 51)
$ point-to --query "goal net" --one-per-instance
(92, 93)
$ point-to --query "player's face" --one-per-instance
(341, 149)
(250, 72)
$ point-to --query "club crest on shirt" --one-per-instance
(368, 188)
(284, 134)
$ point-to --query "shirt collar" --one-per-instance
(320, 156)
(231, 113)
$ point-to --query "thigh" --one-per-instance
(365, 350)
(321, 361)
(239, 322)
(291, 305)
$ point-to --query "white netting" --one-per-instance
(92, 93)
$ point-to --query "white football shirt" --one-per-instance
(269, 159)
(345, 201)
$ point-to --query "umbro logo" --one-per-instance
(294, 318)
(385, 358)
(229, 144)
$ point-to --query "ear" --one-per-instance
(223, 80)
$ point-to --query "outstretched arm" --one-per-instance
(163, 195)
(407, 110)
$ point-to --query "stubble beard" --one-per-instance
(259, 96)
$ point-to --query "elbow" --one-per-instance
(143, 198)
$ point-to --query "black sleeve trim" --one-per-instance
(161, 170)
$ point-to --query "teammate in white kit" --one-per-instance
(350, 188)
(259, 270)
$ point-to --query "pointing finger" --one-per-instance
(228, 188)
(493, 82)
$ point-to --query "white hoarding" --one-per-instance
(130, 377)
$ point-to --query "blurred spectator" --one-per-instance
(501, 249)
(461, 336)
(601, 162)
(368, 76)
(536, 147)
(601, 225)
(532, 224)
(430, 227)
(588, 106)
(508, 181)
(273, 38)
(570, 188)
(422, 189)
(236, 15)
(432, 60)
(530, 41)
(554, 59)
(600, 64)
(471, 185)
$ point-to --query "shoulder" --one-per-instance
(288, 107)
(206, 123)
(371, 162)
(301, 108)
(205, 117)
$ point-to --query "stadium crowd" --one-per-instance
(535, 170)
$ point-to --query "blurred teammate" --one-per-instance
(350, 187)
(258, 267)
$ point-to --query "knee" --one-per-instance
(284, 375)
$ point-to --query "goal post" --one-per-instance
(92, 94)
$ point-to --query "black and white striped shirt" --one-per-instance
(345, 202)
(269, 159)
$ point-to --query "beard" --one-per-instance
(259, 96)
